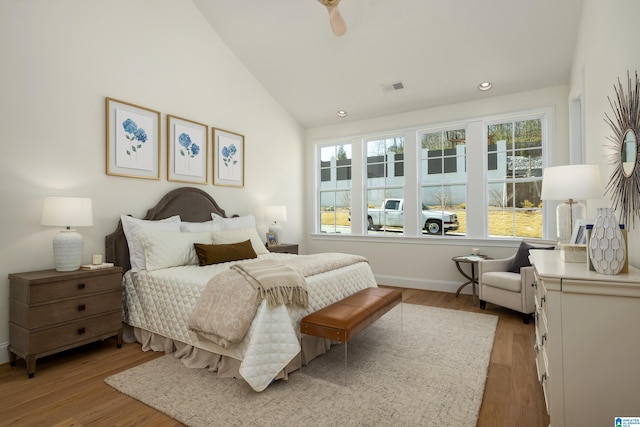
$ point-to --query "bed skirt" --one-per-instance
(225, 366)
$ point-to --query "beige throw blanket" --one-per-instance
(276, 283)
(229, 302)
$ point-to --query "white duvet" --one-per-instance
(162, 300)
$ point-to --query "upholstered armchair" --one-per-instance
(508, 282)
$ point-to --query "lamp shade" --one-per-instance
(577, 182)
(570, 183)
(67, 212)
(275, 213)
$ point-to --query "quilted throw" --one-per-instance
(227, 306)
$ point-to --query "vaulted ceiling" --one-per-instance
(440, 50)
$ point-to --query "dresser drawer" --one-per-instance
(542, 368)
(45, 340)
(73, 288)
(38, 316)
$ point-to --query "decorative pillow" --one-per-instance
(522, 256)
(216, 254)
(247, 221)
(194, 227)
(164, 249)
(132, 227)
(240, 235)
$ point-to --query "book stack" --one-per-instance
(96, 266)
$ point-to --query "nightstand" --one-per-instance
(285, 248)
(51, 311)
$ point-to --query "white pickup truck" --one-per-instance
(392, 215)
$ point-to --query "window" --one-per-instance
(385, 184)
(514, 174)
(335, 189)
(443, 178)
(477, 179)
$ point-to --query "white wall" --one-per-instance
(59, 61)
(425, 263)
(607, 49)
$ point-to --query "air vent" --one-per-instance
(388, 87)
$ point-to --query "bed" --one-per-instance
(160, 297)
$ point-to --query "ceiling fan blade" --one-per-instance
(337, 23)
(335, 17)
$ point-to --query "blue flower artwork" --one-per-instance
(229, 169)
(187, 149)
(228, 152)
(132, 140)
(187, 160)
(136, 136)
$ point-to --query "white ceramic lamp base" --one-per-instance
(67, 250)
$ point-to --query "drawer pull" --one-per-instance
(543, 378)
(544, 338)
(81, 331)
(81, 286)
(82, 307)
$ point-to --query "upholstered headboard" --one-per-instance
(192, 204)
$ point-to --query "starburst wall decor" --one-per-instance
(624, 183)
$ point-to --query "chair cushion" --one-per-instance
(521, 259)
(503, 280)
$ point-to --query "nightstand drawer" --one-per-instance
(43, 315)
(72, 288)
(45, 340)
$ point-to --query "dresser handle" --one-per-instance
(81, 331)
(543, 378)
(544, 338)
(82, 307)
(81, 286)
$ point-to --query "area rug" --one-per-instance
(416, 366)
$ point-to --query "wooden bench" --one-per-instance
(344, 319)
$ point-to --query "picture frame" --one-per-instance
(272, 239)
(187, 150)
(228, 158)
(132, 140)
(579, 235)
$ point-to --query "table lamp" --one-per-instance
(275, 214)
(570, 183)
(67, 212)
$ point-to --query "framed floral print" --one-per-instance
(228, 158)
(187, 144)
(133, 140)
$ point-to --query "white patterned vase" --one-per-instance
(607, 248)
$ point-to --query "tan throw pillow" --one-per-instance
(216, 254)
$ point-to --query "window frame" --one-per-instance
(476, 185)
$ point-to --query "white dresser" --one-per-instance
(587, 341)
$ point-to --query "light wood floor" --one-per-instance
(68, 388)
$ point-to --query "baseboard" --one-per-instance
(4, 353)
(427, 285)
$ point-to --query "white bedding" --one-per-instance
(161, 301)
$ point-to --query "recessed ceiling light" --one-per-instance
(341, 113)
(485, 86)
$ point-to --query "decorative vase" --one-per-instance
(607, 248)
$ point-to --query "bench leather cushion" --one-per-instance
(343, 319)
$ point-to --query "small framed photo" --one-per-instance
(133, 140)
(228, 158)
(272, 239)
(579, 235)
(187, 144)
